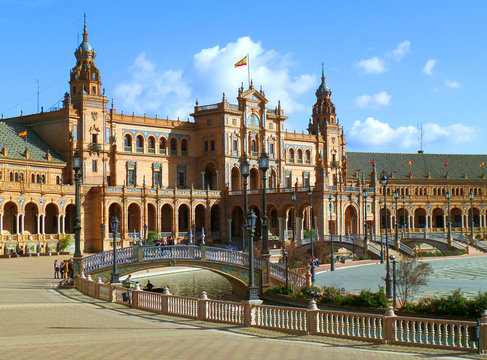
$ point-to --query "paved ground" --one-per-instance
(40, 322)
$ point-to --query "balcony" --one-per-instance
(94, 147)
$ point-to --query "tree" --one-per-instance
(411, 274)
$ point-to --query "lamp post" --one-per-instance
(471, 213)
(395, 194)
(381, 237)
(264, 166)
(332, 258)
(115, 276)
(145, 234)
(245, 171)
(383, 181)
(293, 198)
(393, 259)
(77, 165)
(284, 253)
(404, 214)
(102, 228)
(311, 237)
(253, 291)
(365, 194)
(448, 196)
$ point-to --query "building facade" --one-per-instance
(180, 178)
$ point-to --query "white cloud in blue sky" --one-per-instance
(429, 66)
(401, 50)
(377, 100)
(452, 84)
(374, 65)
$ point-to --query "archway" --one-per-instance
(235, 179)
(199, 217)
(437, 216)
(476, 217)
(166, 219)
(272, 180)
(215, 219)
(210, 177)
(420, 218)
(403, 218)
(51, 219)
(254, 179)
(183, 218)
(273, 222)
(237, 222)
(30, 218)
(456, 217)
(151, 218)
(10, 217)
(383, 219)
(133, 219)
(351, 220)
(114, 210)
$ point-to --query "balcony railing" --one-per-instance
(139, 149)
(163, 151)
(127, 148)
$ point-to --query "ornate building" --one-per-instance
(178, 177)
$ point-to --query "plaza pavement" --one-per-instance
(38, 321)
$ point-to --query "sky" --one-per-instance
(394, 67)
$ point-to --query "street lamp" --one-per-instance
(448, 196)
(284, 253)
(102, 228)
(293, 198)
(471, 212)
(264, 166)
(145, 234)
(395, 194)
(77, 165)
(383, 181)
(380, 235)
(253, 291)
(403, 215)
(115, 275)
(245, 171)
(365, 194)
(393, 259)
(332, 258)
(311, 237)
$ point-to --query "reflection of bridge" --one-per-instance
(233, 265)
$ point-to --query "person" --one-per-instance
(56, 269)
(127, 282)
(61, 269)
(149, 285)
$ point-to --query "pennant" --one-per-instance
(372, 162)
(446, 164)
(410, 163)
(23, 134)
(482, 164)
(242, 62)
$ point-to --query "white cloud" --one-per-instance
(401, 50)
(429, 66)
(374, 65)
(452, 84)
(172, 92)
(373, 101)
(374, 133)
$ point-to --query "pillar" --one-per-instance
(217, 180)
(444, 222)
(23, 223)
(39, 223)
(229, 230)
(1, 224)
(203, 180)
(63, 224)
(282, 229)
(18, 224)
(58, 223)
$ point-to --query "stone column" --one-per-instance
(59, 223)
(282, 229)
(63, 224)
(1, 224)
(299, 229)
(444, 222)
(23, 223)
(229, 230)
(18, 224)
(217, 178)
(203, 180)
(43, 223)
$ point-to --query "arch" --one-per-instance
(272, 179)
(215, 218)
(308, 157)
(199, 217)
(174, 146)
(151, 218)
(420, 218)
(403, 214)
(184, 147)
(300, 156)
(456, 217)
(383, 218)
(235, 178)
(273, 221)
(210, 177)
(127, 142)
(51, 220)
(70, 215)
(10, 211)
(476, 217)
(166, 218)
(30, 218)
(183, 218)
(133, 218)
(139, 143)
(151, 144)
(291, 155)
(38, 179)
(254, 179)
(437, 217)
(162, 145)
(351, 220)
(237, 222)
(253, 144)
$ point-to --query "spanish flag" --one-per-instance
(242, 62)
(482, 164)
(410, 163)
(23, 134)
(372, 162)
(446, 164)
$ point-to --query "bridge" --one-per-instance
(233, 265)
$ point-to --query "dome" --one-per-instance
(323, 88)
(85, 47)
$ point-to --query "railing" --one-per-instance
(387, 327)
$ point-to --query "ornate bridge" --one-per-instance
(233, 265)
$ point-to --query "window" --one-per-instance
(151, 145)
(43, 179)
(182, 176)
(94, 138)
(174, 147)
(93, 89)
(11, 176)
(212, 145)
(271, 148)
(162, 146)
(235, 145)
(127, 143)
(32, 178)
(300, 156)
(254, 148)
(157, 175)
(131, 177)
(291, 155)
(93, 166)
(139, 144)
(288, 179)
(184, 147)
(306, 179)
(206, 146)
(308, 157)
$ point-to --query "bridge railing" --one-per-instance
(175, 252)
(295, 279)
(387, 327)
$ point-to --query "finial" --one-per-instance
(223, 97)
(197, 103)
(85, 33)
(251, 83)
(260, 89)
(279, 104)
(112, 103)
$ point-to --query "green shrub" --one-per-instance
(64, 242)
(151, 237)
(308, 292)
(435, 253)
(281, 290)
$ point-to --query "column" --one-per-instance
(444, 222)
(18, 224)
(282, 229)
(217, 178)
(299, 228)
(411, 222)
(229, 230)
(63, 224)
(43, 223)
(203, 180)
(1, 224)
(58, 223)
(23, 223)
(463, 221)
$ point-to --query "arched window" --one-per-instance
(139, 144)
(308, 157)
(43, 179)
(127, 143)
(32, 178)
(174, 147)
(254, 147)
(57, 180)
(184, 147)
(291, 155)
(16, 177)
(38, 179)
(151, 145)
(300, 156)
(162, 146)
(11, 176)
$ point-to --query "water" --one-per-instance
(192, 283)
(469, 274)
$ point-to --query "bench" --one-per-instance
(33, 248)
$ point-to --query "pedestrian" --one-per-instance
(61, 269)
(56, 269)
(149, 285)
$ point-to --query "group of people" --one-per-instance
(63, 269)
(164, 242)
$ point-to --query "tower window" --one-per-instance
(212, 145)
(93, 166)
(93, 90)
(94, 138)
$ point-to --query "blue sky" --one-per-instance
(391, 65)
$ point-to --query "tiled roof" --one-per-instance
(15, 145)
(423, 166)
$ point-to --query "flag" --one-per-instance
(23, 134)
(410, 163)
(482, 164)
(372, 162)
(446, 164)
(242, 62)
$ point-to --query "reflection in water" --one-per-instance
(192, 283)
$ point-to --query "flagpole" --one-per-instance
(248, 67)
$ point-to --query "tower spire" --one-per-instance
(323, 73)
(85, 33)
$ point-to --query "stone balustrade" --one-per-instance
(386, 328)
